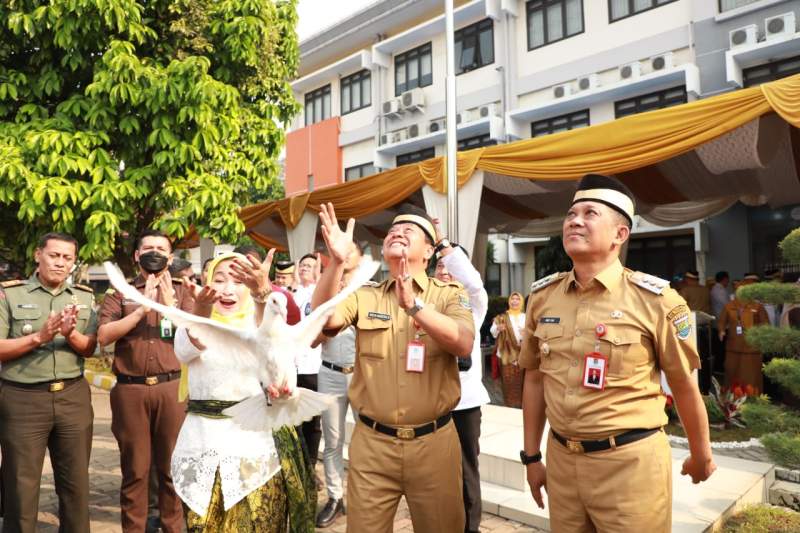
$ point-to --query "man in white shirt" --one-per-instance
(454, 265)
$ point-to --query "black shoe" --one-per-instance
(330, 512)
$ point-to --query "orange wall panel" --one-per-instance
(313, 150)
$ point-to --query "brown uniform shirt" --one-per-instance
(382, 389)
(746, 314)
(697, 297)
(647, 330)
(142, 351)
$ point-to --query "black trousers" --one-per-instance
(311, 430)
(468, 426)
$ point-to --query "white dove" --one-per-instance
(269, 348)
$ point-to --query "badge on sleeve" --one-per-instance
(415, 356)
(594, 371)
(679, 316)
(464, 301)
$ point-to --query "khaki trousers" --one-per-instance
(627, 489)
(744, 368)
(32, 421)
(146, 421)
(426, 470)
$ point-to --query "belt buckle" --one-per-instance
(56, 386)
(575, 446)
(405, 433)
(347, 370)
(151, 380)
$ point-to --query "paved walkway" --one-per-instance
(104, 475)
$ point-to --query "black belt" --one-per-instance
(342, 369)
(407, 433)
(49, 386)
(589, 446)
(148, 380)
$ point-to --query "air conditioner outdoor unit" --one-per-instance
(780, 25)
(560, 91)
(399, 136)
(489, 110)
(588, 82)
(413, 131)
(661, 62)
(468, 115)
(384, 138)
(437, 125)
(391, 108)
(413, 100)
(630, 71)
(743, 36)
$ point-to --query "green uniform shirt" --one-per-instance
(24, 308)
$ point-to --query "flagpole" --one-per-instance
(450, 120)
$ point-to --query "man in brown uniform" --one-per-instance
(146, 414)
(595, 340)
(47, 327)
(697, 296)
(410, 329)
(742, 361)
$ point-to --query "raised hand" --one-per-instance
(50, 328)
(150, 290)
(437, 227)
(337, 241)
(403, 287)
(69, 317)
(254, 274)
(317, 267)
(164, 284)
(204, 301)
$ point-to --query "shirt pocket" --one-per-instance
(373, 337)
(624, 349)
(84, 313)
(546, 335)
(23, 316)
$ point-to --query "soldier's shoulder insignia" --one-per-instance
(440, 283)
(540, 284)
(83, 287)
(648, 282)
(13, 283)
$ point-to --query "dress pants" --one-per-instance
(468, 426)
(310, 430)
(426, 470)
(744, 368)
(333, 429)
(146, 420)
(32, 421)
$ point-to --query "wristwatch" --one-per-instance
(529, 459)
(414, 309)
(444, 243)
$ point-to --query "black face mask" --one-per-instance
(153, 262)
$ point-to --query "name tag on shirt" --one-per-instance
(594, 371)
(379, 316)
(550, 320)
(415, 357)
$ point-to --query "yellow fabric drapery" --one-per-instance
(611, 148)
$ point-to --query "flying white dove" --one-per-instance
(269, 348)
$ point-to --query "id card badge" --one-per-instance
(739, 330)
(166, 329)
(415, 356)
(594, 371)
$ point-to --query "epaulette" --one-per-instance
(370, 284)
(83, 287)
(540, 284)
(441, 283)
(13, 283)
(646, 281)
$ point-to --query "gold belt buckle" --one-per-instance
(347, 370)
(574, 446)
(151, 380)
(405, 433)
(56, 386)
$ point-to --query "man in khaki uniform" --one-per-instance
(742, 361)
(697, 297)
(595, 340)
(47, 327)
(409, 331)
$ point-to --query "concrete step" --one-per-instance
(786, 494)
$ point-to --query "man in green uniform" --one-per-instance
(47, 327)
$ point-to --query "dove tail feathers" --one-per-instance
(255, 414)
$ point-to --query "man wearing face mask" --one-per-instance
(146, 414)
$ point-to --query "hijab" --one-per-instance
(513, 312)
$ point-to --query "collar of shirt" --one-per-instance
(610, 278)
(420, 278)
(35, 283)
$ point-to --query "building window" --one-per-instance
(553, 20)
(359, 171)
(356, 92)
(415, 157)
(476, 142)
(771, 71)
(570, 121)
(620, 9)
(649, 102)
(474, 46)
(318, 105)
(727, 5)
(413, 69)
(663, 256)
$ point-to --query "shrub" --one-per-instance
(786, 373)
(762, 518)
(783, 448)
(761, 417)
(715, 415)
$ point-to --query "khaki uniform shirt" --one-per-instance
(697, 297)
(645, 332)
(382, 389)
(24, 309)
(142, 351)
(739, 313)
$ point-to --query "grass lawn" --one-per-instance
(717, 435)
(763, 519)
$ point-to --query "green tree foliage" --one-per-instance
(192, 95)
(552, 258)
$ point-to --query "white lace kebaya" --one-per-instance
(246, 459)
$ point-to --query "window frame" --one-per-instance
(476, 141)
(632, 12)
(721, 11)
(405, 58)
(357, 79)
(545, 4)
(488, 25)
(416, 156)
(360, 169)
(572, 121)
(319, 92)
(773, 71)
(661, 94)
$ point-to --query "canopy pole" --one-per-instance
(450, 119)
